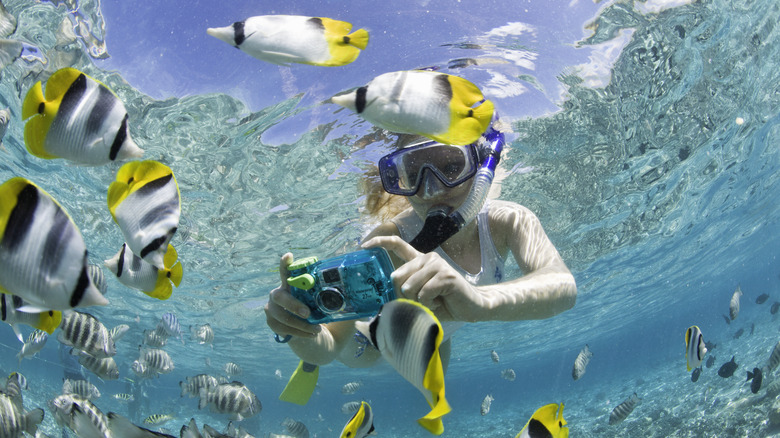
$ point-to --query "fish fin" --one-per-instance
(359, 39)
(35, 131)
(32, 419)
(17, 332)
(49, 321)
(467, 122)
(177, 273)
(170, 256)
(301, 385)
(33, 101)
(163, 289)
(117, 192)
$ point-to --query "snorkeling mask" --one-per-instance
(403, 171)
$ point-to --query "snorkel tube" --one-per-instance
(439, 225)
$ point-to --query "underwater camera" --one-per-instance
(350, 286)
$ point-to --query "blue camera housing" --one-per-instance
(350, 286)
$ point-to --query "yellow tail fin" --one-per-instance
(33, 101)
(49, 321)
(359, 39)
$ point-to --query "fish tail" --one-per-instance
(49, 321)
(33, 101)
(358, 38)
(162, 289)
(432, 425)
(177, 273)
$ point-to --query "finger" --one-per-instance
(413, 285)
(395, 244)
(284, 262)
(284, 299)
(283, 322)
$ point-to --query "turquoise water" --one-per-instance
(654, 171)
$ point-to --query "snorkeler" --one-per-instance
(449, 248)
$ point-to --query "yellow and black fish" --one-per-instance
(46, 321)
(408, 335)
(285, 39)
(78, 119)
(442, 107)
(546, 422)
(133, 271)
(43, 258)
(361, 424)
(146, 204)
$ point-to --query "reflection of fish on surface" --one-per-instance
(622, 410)
(44, 258)
(695, 347)
(734, 304)
(581, 362)
(285, 39)
(436, 105)
(547, 421)
(361, 424)
(408, 336)
(78, 119)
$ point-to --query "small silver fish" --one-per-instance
(157, 419)
(351, 387)
(509, 374)
(494, 356)
(192, 385)
(774, 358)
(485, 407)
(582, 360)
(622, 410)
(202, 333)
(233, 369)
(82, 388)
(34, 343)
(350, 407)
(124, 397)
(296, 428)
(734, 304)
(105, 368)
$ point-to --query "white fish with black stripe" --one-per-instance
(35, 342)
(192, 385)
(81, 388)
(695, 348)
(622, 410)
(48, 321)
(581, 362)
(78, 119)
(84, 332)
(105, 368)
(43, 258)
(202, 333)
(14, 418)
(157, 360)
(135, 272)
(79, 415)
(145, 202)
(169, 325)
(231, 398)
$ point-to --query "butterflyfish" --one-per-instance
(47, 320)
(146, 204)
(547, 422)
(442, 107)
(694, 347)
(361, 424)
(408, 336)
(78, 119)
(286, 39)
(43, 258)
(134, 272)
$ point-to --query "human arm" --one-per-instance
(546, 289)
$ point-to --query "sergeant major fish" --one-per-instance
(351, 387)
(78, 119)
(135, 272)
(84, 332)
(202, 333)
(145, 202)
(509, 374)
(734, 304)
(285, 39)
(774, 358)
(231, 398)
(494, 356)
(105, 368)
(581, 362)
(15, 419)
(81, 388)
(484, 408)
(442, 107)
(622, 410)
(97, 277)
(34, 343)
(193, 385)
(43, 258)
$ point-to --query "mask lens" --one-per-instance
(402, 171)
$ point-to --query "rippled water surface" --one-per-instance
(645, 136)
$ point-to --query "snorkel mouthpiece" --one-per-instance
(440, 225)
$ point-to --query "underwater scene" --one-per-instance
(644, 135)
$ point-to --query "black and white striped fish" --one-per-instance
(79, 415)
(119, 331)
(233, 369)
(98, 279)
(231, 398)
(351, 387)
(34, 343)
(169, 324)
(156, 359)
(43, 258)
(81, 388)
(84, 332)
(295, 428)
(145, 202)
(105, 368)
(202, 333)
(10, 314)
(581, 362)
(192, 385)
(14, 418)
(156, 338)
(78, 119)
(734, 304)
(622, 410)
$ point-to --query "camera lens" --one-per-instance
(330, 300)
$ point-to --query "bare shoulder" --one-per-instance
(508, 222)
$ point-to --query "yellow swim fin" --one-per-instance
(301, 385)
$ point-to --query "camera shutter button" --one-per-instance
(303, 281)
